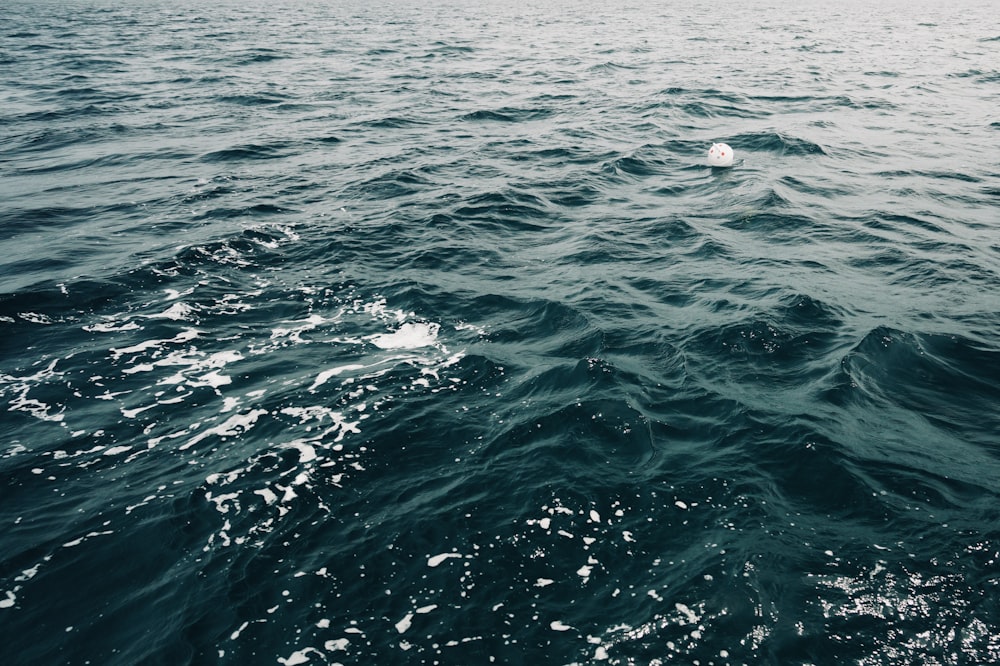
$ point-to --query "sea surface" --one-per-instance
(421, 332)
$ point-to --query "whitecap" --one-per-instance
(408, 336)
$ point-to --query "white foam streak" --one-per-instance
(438, 559)
(267, 494)
(407, 336)
(111, 327)
(234, 425)
(299, 657)
(180, 338)
(294, 332)
(23, 385)
(176, 312)
(307, 452)
(403, 625)
(325, 376)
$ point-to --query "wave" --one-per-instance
(778, 143)
(392, 122)
(914, 372)
(697, 104)
(255, 99)
(507, 209)
(507, 115)
(251, 151)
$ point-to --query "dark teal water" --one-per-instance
(421, 333)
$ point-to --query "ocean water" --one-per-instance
(421, 333)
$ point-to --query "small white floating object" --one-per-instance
(720, 155)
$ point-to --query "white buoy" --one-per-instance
(720, 155)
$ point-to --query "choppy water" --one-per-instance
(421, 333)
